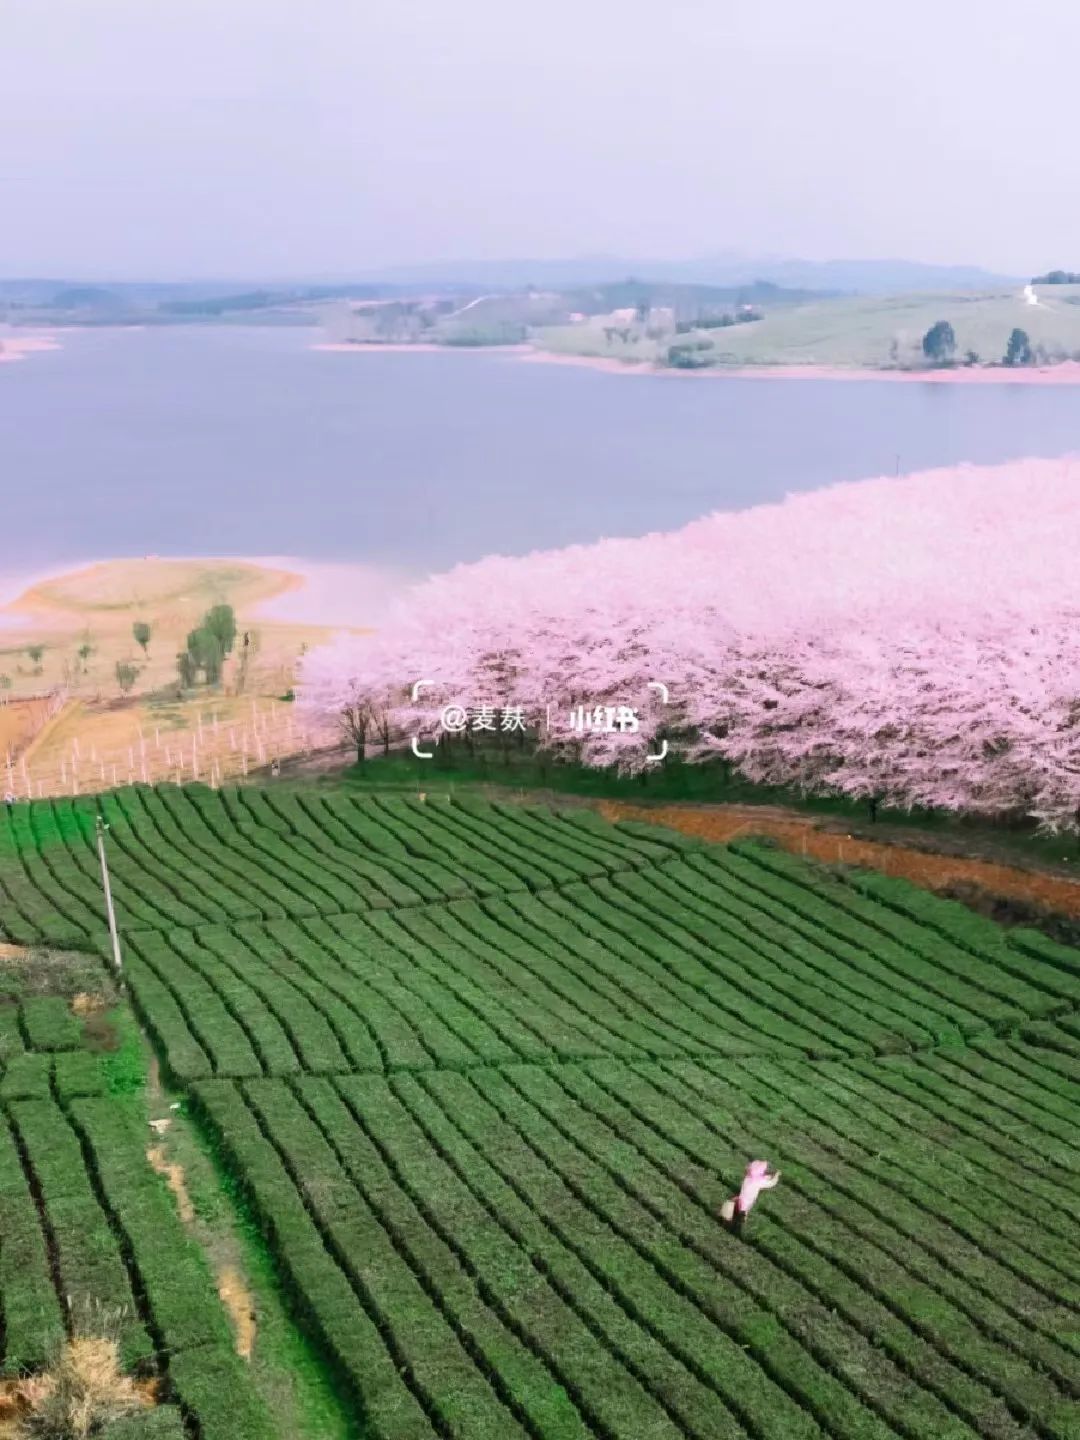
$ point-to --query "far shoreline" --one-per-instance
(421, 347)
(14, 348)
(1065, 373)
(296, 591)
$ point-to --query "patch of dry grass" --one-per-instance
(37, 970)
(83, 1391)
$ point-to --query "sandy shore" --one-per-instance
(376, 347)
(346, 347)
(18, 347)
(14, 584)
(48, 598)
(1067, 373)
(330, 593)
(17, 587)
(283, 590)
(601, 362)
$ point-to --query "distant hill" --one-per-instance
(381, 311)
(590, 284)
(683, 296)
(75, 302)
(886, 331)
(642, 308)
(852, 331)
(871, 277)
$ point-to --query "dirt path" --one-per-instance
(806, 836)
(237, 1300)
(174, 1174)
(53, 723)
(231, 1285)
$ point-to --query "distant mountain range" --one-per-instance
(726, 270)
(510, 308)
(868, 277)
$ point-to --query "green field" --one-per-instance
(482, 1074)
(864, 330)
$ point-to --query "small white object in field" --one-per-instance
(160, 1126)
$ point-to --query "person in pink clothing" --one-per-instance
(758, 1177)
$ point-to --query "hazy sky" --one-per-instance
(197, 138)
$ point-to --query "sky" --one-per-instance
(197, 139)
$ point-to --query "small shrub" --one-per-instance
(126, 675)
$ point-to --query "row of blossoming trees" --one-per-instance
(909, 641)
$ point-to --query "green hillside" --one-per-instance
(888, 330)
(875, 331)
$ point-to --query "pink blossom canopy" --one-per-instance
(910, 639)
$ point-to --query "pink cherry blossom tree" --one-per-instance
(909, 641)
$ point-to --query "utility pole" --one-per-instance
(101, 827)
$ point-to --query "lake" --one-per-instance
(245, 441)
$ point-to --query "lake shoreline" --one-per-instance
(1066, 373)
(299, 591)
(421, 347)
(14, 348)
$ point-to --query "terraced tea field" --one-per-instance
(484, 1075)
(90, 1241)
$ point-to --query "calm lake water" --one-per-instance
(245, 441)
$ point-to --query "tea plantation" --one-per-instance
(484, 1074)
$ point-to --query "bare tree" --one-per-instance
(356, 719)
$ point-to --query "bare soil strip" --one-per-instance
(174, 1174)
(231, 1286)
(804, 836)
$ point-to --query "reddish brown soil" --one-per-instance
(806, 836)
